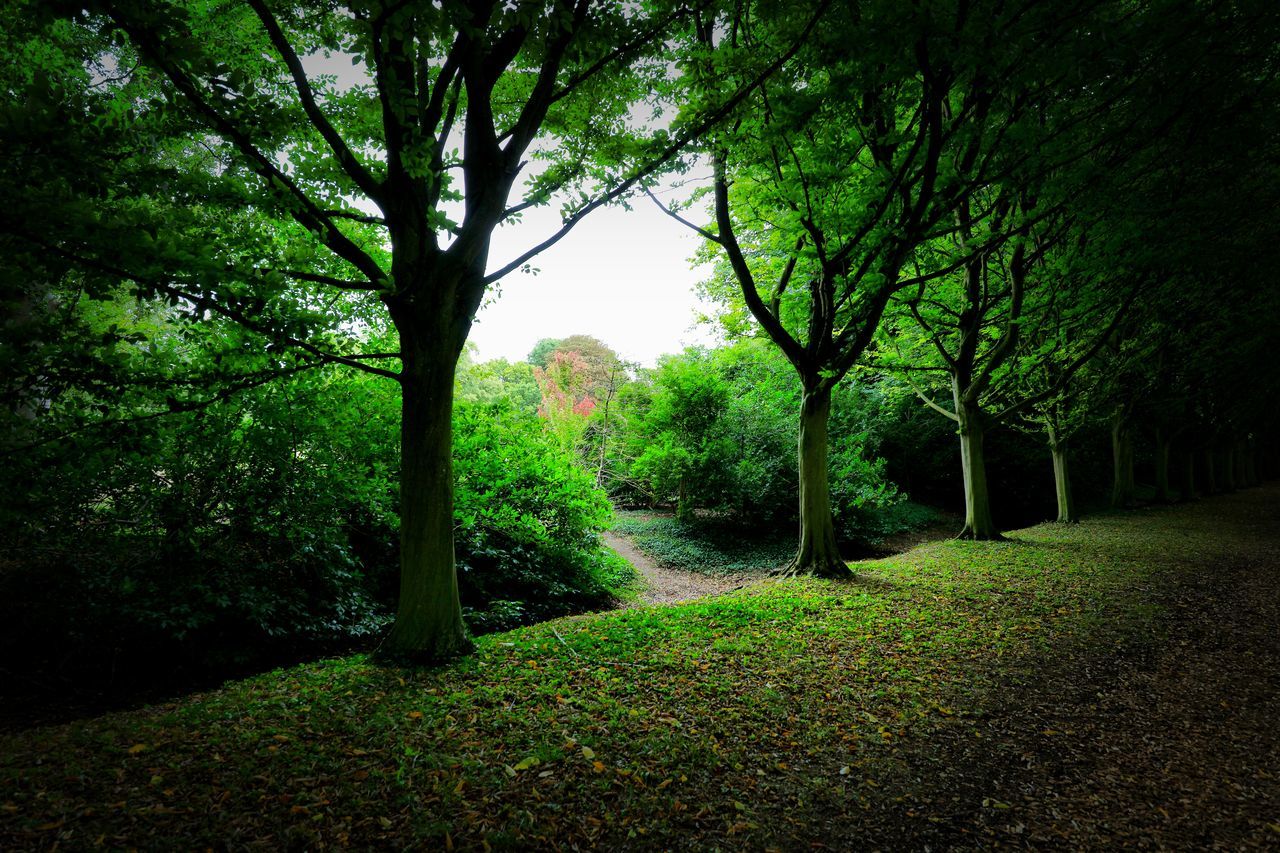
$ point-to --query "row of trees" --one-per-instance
(973, 191)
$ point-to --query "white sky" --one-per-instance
(621, 276)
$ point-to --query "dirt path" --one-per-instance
(667, 586)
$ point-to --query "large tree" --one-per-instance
(289, 191)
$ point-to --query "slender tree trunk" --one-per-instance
(683, 511)
(1163, 494)
(818, 553)
(428, 626)
(1062, 481)
(978, 522)
(1122, 490)
(1228, 468)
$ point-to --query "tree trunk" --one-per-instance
(1062, 483)
(978, 523)
(818, 553)
(1163, 495)
(683, 511)
(1122, 490)
(428, 626)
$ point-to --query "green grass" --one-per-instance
(742, 721)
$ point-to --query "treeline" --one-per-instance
(1031, 215)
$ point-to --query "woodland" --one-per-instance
(968, 507)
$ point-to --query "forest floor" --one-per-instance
(1108, 684)
(661, 585)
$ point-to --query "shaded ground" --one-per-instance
(1106, 685)
(1168, 739)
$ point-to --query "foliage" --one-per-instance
(497, 380)
(780, 715)
(265, 525)
(527, 522)
(714, 429)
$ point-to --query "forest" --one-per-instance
(962, 533)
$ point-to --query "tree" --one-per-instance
(863, 150)
(285, 190)
(1005, 317)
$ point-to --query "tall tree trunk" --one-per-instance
(818, 553)
(978, 522)
(1062, 480)
(1163, 495)
(1228, 468)
(428, 626)
(1122, 489)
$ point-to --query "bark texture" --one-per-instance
(1062, 484)
(818, 553)
(428, 626)
(978, 522)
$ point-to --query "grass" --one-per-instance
(776, 715)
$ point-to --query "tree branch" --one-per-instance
(346, 159)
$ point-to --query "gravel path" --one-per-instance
(667, 586)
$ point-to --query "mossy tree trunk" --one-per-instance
(818, 553)
(978, 521)
(428, 626)
(1062, 479)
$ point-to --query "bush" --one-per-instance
(716, 430)
(529, 519)
(266, 527)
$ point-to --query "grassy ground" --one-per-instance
(1086, 686)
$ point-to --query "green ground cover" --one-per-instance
(716, 546)
(785, 713)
